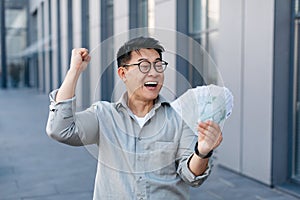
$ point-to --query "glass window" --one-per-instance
(296, 98)
(16, 41)
(138, 13)
(203, 18)
(58, 24)
(85, 43)
(43, 81)
(143, 13)
(50, 52)
(107, 30)
(139, 16)
(70, 27)
(197, 16)
(203, 22)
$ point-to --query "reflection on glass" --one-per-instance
(203, 27)
(296, 134)
(16, 41)
(203, 16)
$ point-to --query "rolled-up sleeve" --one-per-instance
(186, 147)
(188, 177)
(69, 127)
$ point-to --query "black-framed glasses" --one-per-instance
(145, 66)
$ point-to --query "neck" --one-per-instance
(139, 107)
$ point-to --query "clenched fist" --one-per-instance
(80, 59)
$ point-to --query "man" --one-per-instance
(146, 151)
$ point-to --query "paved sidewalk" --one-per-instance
(34, 167)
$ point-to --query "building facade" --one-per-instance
(251, 47)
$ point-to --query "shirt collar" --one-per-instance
(122, 102)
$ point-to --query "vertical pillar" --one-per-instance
(3, 45)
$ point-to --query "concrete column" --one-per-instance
(3, 45)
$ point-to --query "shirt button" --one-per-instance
(139, 138)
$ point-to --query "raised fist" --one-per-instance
(80, 59)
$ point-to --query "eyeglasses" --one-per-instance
(145, 66)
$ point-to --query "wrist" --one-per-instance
(203, 156)
(74, 70)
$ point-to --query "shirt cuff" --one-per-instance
(66, 108)
(52, 97)
(196, 180)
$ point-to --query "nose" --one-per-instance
(152, 71)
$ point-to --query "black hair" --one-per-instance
(135, 44)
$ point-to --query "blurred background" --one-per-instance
(254, 45)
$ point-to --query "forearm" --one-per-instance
(198, 165)
(79, 61)
(68, 87)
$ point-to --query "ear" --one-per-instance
(121, 73)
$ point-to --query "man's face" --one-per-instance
(143, 86)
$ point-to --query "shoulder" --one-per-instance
(102, 105)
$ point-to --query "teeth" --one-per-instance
(151, 83)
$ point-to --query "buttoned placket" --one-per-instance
(139, 164)
(141, 181)
(140, 167)
(140, 156)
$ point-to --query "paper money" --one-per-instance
(204, 103)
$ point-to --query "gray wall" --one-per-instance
(246, 61)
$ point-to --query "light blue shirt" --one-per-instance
(148, 162)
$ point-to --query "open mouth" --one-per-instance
(151, 84)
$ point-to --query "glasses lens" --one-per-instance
(160, 66)
(145, 67)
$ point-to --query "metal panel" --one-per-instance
(107, 30)
(281, 94)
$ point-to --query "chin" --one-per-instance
(150, 97)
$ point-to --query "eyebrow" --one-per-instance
(144, 59)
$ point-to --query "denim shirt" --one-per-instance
(149, 162)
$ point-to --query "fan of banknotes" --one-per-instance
(204, 103)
